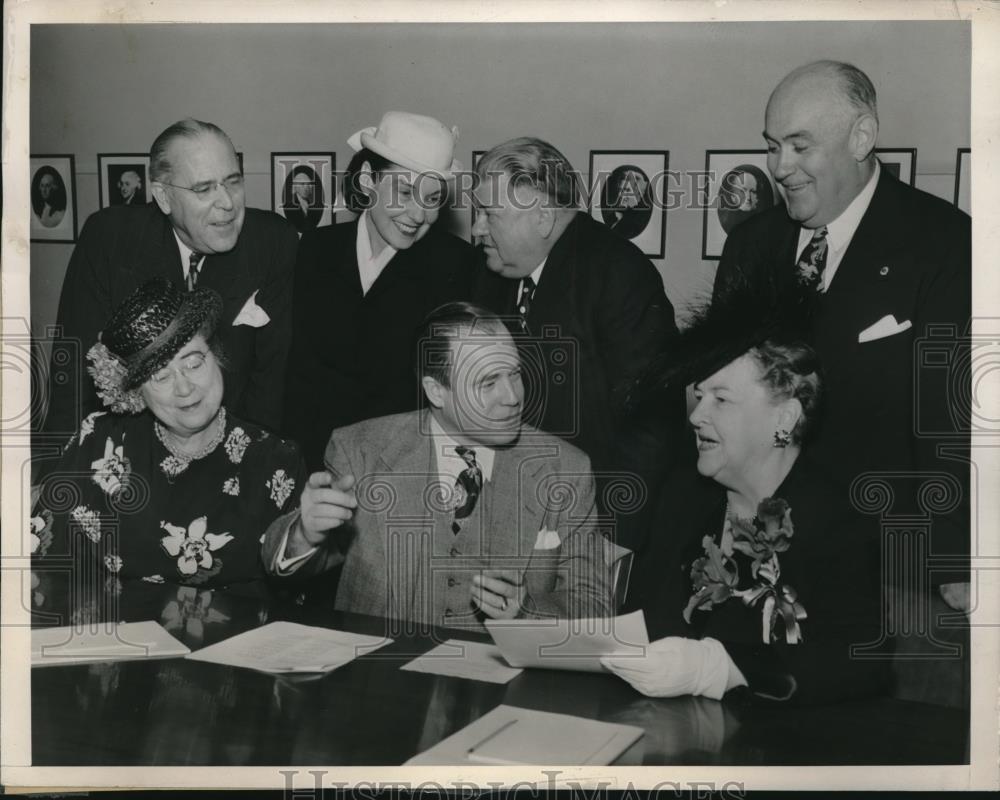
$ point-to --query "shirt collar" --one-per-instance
(840, 232)
(449, 463)
(185, 252)
(364, 245)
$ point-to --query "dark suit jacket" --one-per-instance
(831, 563)
(352, 354)
(598, 317)
(910, 257)
(401, 556)
(120, 248)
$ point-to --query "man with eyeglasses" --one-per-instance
(197, 233)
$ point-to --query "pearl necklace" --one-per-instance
(187, 458)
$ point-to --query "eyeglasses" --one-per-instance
(232, 185)
(190, 366)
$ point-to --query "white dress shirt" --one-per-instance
(449, 463)
(369, 266)
(840, 232)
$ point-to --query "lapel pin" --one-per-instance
(884, 271)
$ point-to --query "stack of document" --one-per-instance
(511, 735)
(573, 644)
(289, 647)
(108, 642)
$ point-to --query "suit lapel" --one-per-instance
(404, 525)
(879, 236)
(164, 257)
(550, 300)
(517, 511)
(403, 267)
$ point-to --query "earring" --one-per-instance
(782, 438)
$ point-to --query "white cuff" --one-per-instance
(719, 672)
(283, 565)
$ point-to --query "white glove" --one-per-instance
(676, 666)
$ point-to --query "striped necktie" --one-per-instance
(194, 266)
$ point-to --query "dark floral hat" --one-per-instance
(144, 333)
(719, 331)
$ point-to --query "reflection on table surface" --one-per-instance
(369, 712)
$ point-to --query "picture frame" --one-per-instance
(628, 193)
(303, 190)
(53, 205)
(476, 155)
(738, 186)
(123, 179)
(901, 162)
(963, 182)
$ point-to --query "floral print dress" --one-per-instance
(120, 498)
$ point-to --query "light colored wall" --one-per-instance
(685, 88)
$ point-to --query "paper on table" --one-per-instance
(473, 660)
(108, 642)
(511, 735)
(573, 644)
(290, 647)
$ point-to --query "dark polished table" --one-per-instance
(369, 712)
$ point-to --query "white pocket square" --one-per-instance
(547, 540)
(887, 326)
(252, 314)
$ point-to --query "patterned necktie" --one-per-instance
(194, 264)
(468, 485)
(812, 262)
(524, 301)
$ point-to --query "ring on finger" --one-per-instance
(503, 605)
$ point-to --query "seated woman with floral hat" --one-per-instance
(168, 487)
(758, 573)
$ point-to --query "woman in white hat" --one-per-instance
(363, 287)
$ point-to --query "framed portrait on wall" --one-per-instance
(123, 179)
(53, 199)
(963, 167)
(901, 163)
(738, 186)
(302, 188)
(628, 193)
(476, 155)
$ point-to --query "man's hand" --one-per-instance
(499, 592)
(326, 503)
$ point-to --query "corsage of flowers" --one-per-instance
(109, 374)
(715, 577)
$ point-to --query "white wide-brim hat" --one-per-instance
(416, 142)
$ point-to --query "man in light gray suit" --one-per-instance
(457, 513)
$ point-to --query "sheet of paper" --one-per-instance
(103, 642)
(572, 644)
(290, 647)
(512, 735)
(472, 660)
